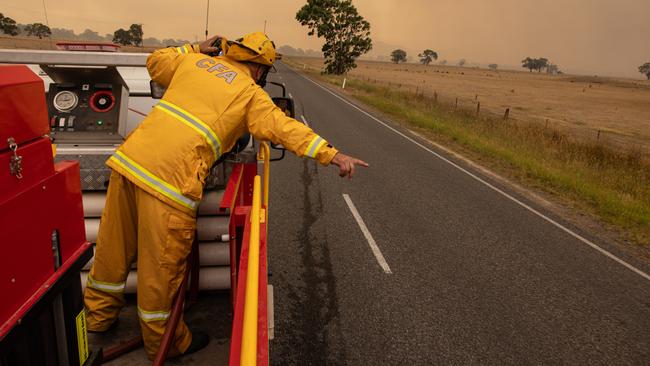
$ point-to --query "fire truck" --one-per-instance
(62, 114)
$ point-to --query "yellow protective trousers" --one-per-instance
(137, 225)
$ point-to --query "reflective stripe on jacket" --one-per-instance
(209, 103)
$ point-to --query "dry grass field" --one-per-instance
(579, 105)
(606, 177)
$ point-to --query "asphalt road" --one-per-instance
(476, 277)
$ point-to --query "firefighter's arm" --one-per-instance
(265, 121)
(162, 63)
(268, 122)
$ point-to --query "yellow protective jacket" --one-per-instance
(209, 103)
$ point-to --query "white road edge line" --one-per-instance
(304, 120)
(373, 245)
(548, 219)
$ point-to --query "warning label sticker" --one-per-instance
(82, 337)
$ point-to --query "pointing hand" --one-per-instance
(347, 164)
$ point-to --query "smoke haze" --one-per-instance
(603, 37)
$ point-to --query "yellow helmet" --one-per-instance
(254, 47)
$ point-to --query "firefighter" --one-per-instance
(158, 175)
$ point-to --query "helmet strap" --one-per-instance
(262, 80)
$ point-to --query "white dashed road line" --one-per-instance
(304, 120)
(496, 189)
(373, 245)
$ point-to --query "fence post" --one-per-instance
(598, 136)
(344, 80)
(478, 109)
(456, 105)
(435, 96)
(507, 114)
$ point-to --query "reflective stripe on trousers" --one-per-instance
(151, 180)
(152, 316)
(105, 286)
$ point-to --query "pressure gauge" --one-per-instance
(65, 101)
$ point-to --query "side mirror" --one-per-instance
(286, 104)
(157, 90)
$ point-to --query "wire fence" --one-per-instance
(483, 107)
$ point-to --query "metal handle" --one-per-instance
(16, 161)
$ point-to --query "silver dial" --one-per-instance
(65, 100)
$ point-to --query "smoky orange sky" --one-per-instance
(601, 37)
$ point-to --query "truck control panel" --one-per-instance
(87, 105)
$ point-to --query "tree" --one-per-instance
(38, 29)
(534, 64)
(462, 62)
(8, 26)
(346, 33)
(493, 66)
(427, 56)
(529, 63)
(541, 63)
(645, 69)
(398, 56)
(132, 36)
(122, 36)
(136, 34)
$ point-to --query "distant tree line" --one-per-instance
(290, 51)
(10, 27)
(134, 35)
